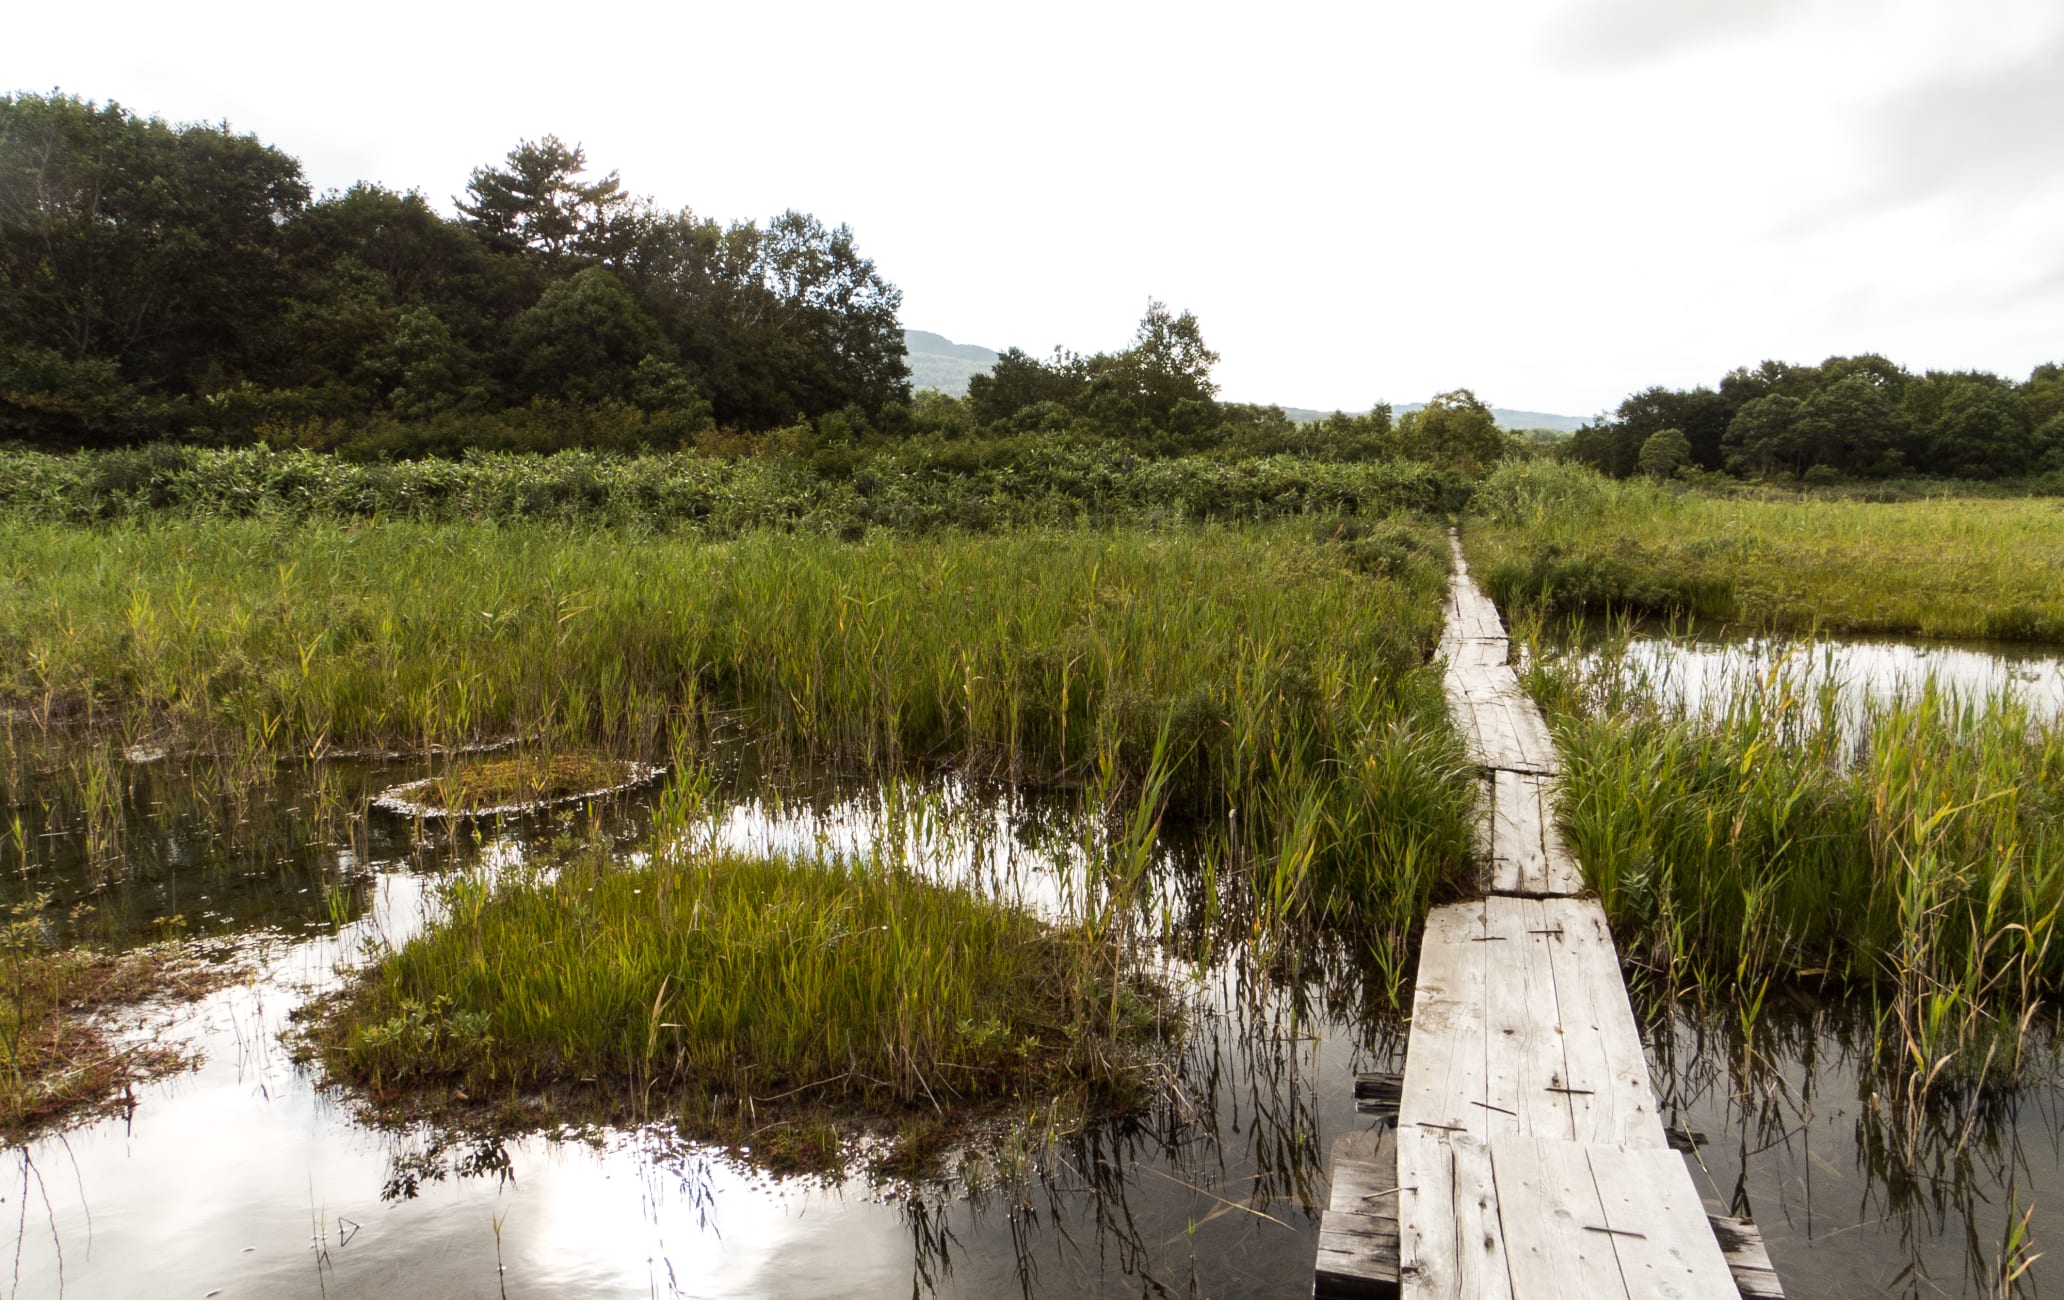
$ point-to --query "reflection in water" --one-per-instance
(1693, 672)
(1795, 1132)
(245, 1176)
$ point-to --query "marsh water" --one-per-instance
(245, 1176)
(1701, 670)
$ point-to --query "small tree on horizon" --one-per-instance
(1665, 452)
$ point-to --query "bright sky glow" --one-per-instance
(1553, 204)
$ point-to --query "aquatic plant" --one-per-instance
(56, 1055)
(1908, 849)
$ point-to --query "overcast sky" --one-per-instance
(1551, 203)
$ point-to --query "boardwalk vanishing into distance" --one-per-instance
(1520, 1155)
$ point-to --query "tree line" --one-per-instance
(165, 282)
(182, 282)
(1848, 417)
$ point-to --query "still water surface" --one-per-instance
(1701, 672)
(244, 1177)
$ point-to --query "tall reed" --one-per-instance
(1280, 670)
(1785, 832)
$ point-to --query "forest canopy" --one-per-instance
(161, 281)
(1846, 418)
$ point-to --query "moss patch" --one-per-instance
(517, 783)
(57, 1062)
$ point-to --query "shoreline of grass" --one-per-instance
(1564, 540)
(726, 993)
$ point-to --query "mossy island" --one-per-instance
(782, 1005)
(516, 784)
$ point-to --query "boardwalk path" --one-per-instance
(1527, 1158)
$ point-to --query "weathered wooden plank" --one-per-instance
(1380, 1093)
(1519, 854)
(1465, 653)
(1470, 614)
(1741, 1242)
(1358, 1235)
(1606, 1069)
(1485, 680)
(1464, 718)
(1659, 1231)
(1450, 1242)
(1524, 852)
(1546, 1199)
(1528, 1157)
(1536, 746)
(1481, 1267)
(1502, 731)
(1426, 1216)
(1499, 740)
(1354, 1265)
(1501, 735)
(1523, 1039)
(1444, 1064)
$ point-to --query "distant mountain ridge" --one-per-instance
(1507, 418)
(938, 362)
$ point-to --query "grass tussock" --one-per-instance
(1908, 850)
(516, 781)
(1567, 540)
(57, 1060)
(719, 988)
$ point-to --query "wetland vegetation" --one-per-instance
(592, 483)
(520, 783)
(1907, 852)
(762, 1001)
(1275, 671)
(58, 1060)
(1953, 563)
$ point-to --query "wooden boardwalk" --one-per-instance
(1520, 1155)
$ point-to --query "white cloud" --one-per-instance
(1553, 207)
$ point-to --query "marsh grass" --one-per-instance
(1907, 851)
(1566, 539)
(714, 987)
(1280, 666)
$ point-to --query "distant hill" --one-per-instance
(938, 362)
(1507, 419)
